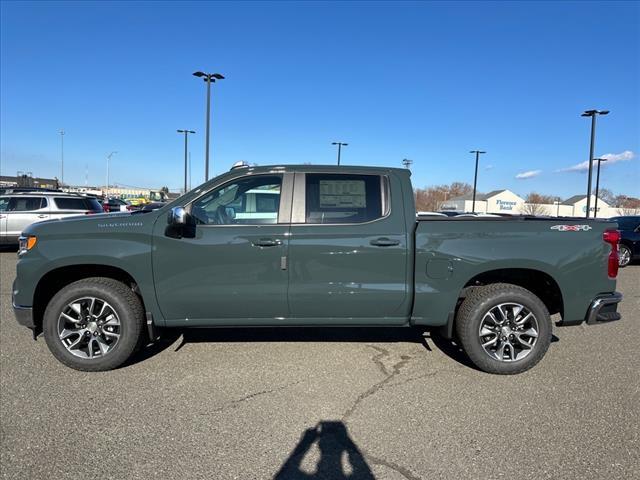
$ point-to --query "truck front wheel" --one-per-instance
(94, 324)
(503, 328)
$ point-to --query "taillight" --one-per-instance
(612, 237)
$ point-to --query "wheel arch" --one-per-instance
(540, 283)
(55, 280)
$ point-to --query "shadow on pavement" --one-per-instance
(304, 334)
(340, 458)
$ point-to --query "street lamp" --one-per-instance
(186, 133)
(595, 208)
(593, 114)
(209, 78)
(61, 156)
(108, 160)
(340, 145)
(475, 179)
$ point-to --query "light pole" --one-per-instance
(595, 207)
(62, 156)
(186, 133)
(108, 160)
(340, 145)
(475, 179)
(593, 114)
(209, 78)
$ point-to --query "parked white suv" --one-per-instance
(19, 210)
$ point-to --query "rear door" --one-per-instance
(22, 211)
(348, 250)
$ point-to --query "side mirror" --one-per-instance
(177, 216)
(179, 224)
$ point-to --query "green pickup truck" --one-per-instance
(308, 246)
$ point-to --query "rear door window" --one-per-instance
(338, 198)
(71, 203)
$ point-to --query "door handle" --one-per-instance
(42, 216)
(384, 242)
(267, 242)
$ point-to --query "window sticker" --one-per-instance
(342, 194)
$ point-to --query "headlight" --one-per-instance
(26, 243)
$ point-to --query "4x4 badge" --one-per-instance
(571, 228)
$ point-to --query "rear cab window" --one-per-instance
(340, 198)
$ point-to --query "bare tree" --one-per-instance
(430, 198)
(534, 204)
(627, 205)
(607, 196)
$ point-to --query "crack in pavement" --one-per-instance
(236, 403)
(396, 368)
(388, 376)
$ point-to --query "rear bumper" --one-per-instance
(604, 308)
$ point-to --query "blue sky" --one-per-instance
(425, 81)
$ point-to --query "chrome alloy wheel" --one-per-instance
(508, 332)
(624, 255)
(89, 327)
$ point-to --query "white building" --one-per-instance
(498, 201)
(505, 201)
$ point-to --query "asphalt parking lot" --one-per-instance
(323, 404)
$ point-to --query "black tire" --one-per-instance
(121, 299)
(478, 303)
(624, 259)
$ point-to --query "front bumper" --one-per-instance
(604, 308)
(24, 315)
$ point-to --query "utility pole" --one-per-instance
(340, 145)
(407, 163)
(475, 179)
(108, 160)
(61, 156)
(208, 78)
(186, 141)
(595, 207)
(593, 114)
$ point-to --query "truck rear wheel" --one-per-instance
(94, 324)
(503, 328)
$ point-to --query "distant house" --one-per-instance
(576, 206)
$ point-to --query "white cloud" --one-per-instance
(488, 167)
(618, 157)
(528, 174)
(611, 158)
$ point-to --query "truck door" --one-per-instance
(348, 250)
(234, 267)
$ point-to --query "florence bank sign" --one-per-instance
(505, 205)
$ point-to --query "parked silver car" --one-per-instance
(18, 210)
